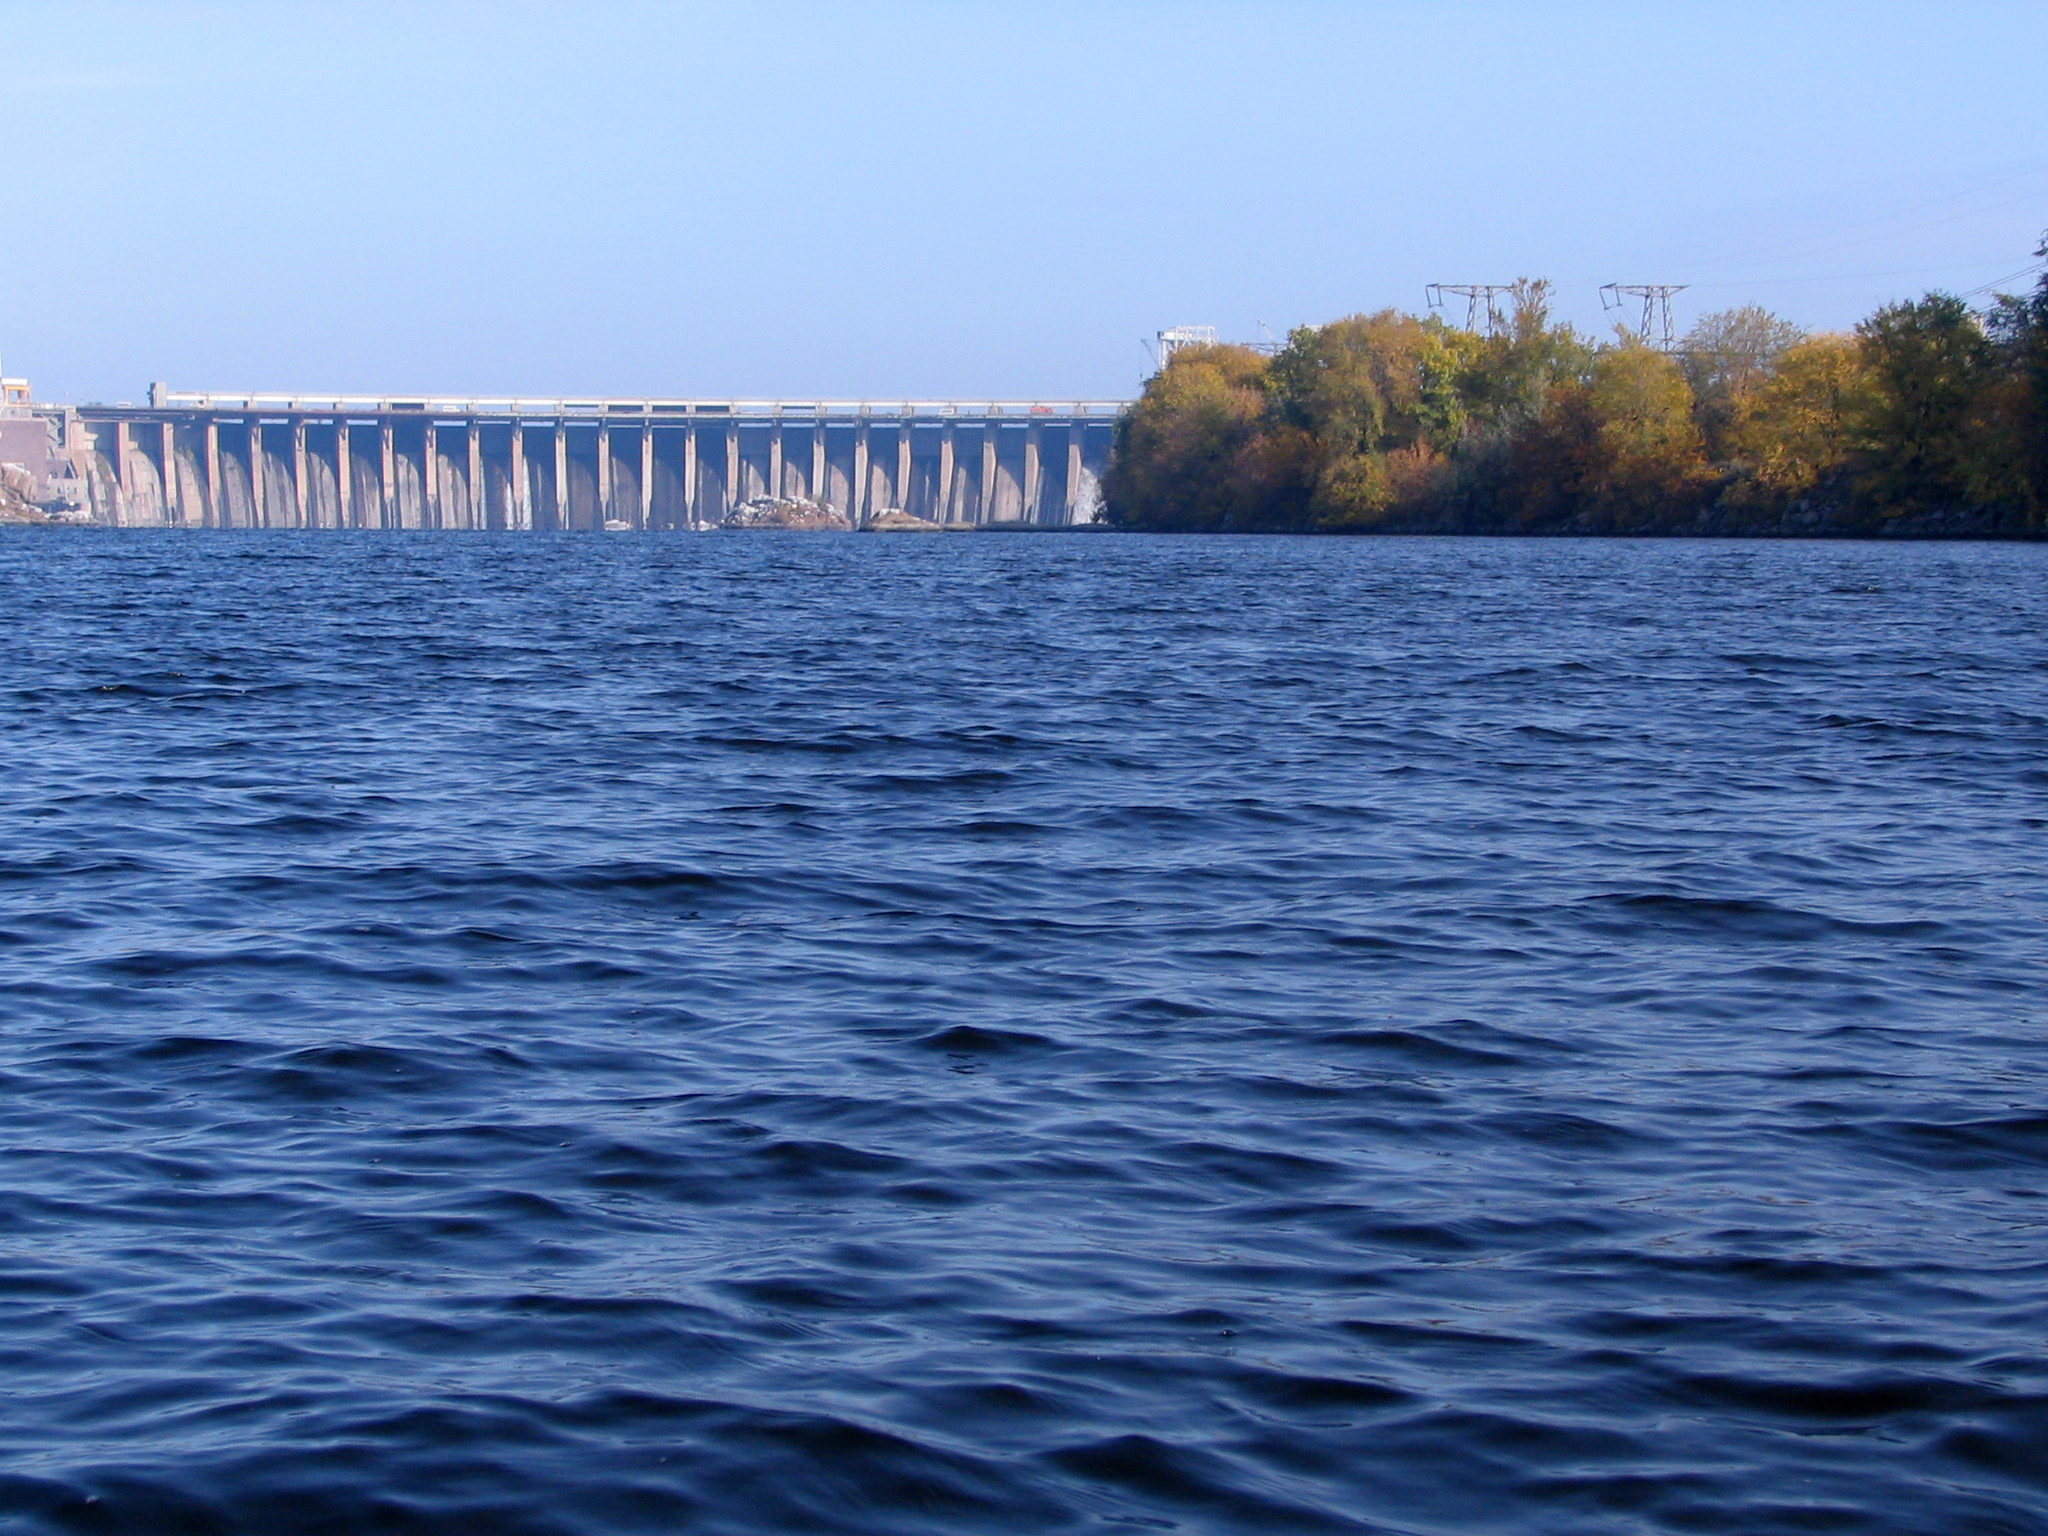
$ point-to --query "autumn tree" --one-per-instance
(1393, 421)
(1725, 356)
(1651, 457)
(1188, 455)
(1793, 430)
(1616, 453)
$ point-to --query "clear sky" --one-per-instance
(956, 197)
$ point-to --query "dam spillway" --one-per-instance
(260, 461)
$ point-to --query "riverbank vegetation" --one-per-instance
(1929, 419)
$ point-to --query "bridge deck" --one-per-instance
(619, 411)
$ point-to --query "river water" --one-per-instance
(518, 1034)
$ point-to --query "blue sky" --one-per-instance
(968, 198)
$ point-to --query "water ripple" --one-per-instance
(561, 1036)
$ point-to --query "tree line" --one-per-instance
(1929, 419)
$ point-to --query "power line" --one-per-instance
(1798, 241)
(1838, 277)
(1988, 287)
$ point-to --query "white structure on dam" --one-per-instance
(264, 461)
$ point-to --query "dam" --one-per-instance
(197, 460)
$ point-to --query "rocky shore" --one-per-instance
(895, 520)
(17, 498)
(782, 512)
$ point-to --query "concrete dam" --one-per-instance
(246, 461)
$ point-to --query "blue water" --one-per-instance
(888, 1035)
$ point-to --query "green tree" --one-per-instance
(2015, 470)
(1519, 364)
(1450, 360)
(1358, 388)
(1355, 385)
(1930, 363)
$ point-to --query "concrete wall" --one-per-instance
(36, 440)
(213, 466)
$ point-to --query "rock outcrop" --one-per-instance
(896, 520)
(780, 512)
(17, 496)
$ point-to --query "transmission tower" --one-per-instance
(1477, 296)
(1656, 301)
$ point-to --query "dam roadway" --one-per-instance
(286, 461)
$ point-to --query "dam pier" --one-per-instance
(261, 461)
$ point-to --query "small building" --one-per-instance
(36, 443)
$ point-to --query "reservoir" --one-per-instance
(544, 1034)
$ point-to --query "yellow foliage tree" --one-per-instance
(1797, 427)
(1648, 444)
(1183, 454)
